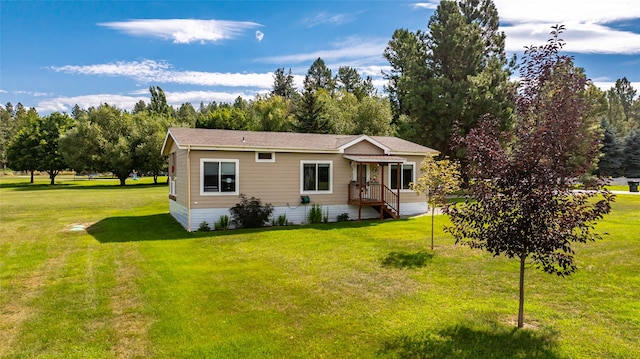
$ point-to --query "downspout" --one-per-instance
(189, 188)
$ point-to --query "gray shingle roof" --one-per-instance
(307, 142)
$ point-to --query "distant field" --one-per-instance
(135, 284)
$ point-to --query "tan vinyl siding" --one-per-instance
(276, 182)
(181, 177)
(364, 148)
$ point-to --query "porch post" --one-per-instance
(382, 191)
(360, 184)
(399, 185)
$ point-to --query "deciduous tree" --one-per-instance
(36, 145)
(23, 148)
(104, 140)
(438, 179)
(521, 180)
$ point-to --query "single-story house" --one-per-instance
(363, 176)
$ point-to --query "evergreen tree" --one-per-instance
(283, 84)
(310, 115)
(445, 79)
(186, 115)
(407, 55)
(140, 106)
(611, 162)
(632, 155)
(349, 80)
(319, 77)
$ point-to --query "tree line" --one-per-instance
(110, 139)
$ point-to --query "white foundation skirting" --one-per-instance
(295, 214)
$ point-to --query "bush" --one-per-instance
(343, 217)
(222, 223)
(204, 227)
(315, 214)
(250, 213)
(281, 221)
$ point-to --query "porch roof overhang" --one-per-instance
(375, 158)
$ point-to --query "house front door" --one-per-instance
(366, 177)
(361, 174)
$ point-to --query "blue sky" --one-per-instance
(55, 54)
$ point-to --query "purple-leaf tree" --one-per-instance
(523, 203)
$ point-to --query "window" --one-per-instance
(406, 175)
(315, 177)
(219, 176)
(265, 157)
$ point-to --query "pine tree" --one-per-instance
(310, 114)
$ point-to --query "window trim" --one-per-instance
(316, 162)
(272, 159)
(219, 193)
(413, 174)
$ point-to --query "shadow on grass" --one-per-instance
(160, 227)
(406, 260)
(155, 227)
(463, 342)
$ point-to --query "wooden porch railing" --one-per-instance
(391, 199)
(374, 194)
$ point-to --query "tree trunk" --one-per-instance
(32, 177)
(521, 303)
(122, 180)
(433, 212)
(52, 177)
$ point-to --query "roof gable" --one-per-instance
(366, 138)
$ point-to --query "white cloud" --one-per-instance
(66, 103)
(127, 102)
(28, 93)
(427, 5)
(150, 71)
(326, 18)
(579, 37)
(588, 24)
(136, 69)
(355, 48)
(259, 35)
(560, 11)
(607, 85)
(195, 97)
(183, 31)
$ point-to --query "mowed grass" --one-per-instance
(135, 284)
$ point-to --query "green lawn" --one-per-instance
(135, 284)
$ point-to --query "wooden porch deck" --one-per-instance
(375, 195)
